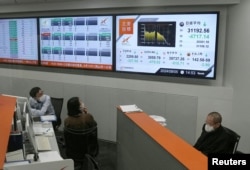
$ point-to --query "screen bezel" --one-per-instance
(26, 62)
(111, 67)
(217, 13)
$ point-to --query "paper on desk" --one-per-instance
(48, 118)
(159, 119)
(49, 156)
(15, 155)
(39, 130)
(130, 108)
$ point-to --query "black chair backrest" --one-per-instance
(57, 104)
(233, 141)
(81, 142)
(90, 163)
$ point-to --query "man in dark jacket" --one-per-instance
(214, 138)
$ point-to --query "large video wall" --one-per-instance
(166, 44)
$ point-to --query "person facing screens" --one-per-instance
(214, 137)
(40, 103)
(80, 133)
(78, 116)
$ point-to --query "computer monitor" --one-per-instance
(24, 101)
(18, 120)
(31, 135)
(19, 125)
(27, 108)
(28, 120)
(18, 112)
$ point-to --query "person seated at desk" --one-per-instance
(213, 138)
(40, 103)
(78, 116)
(80, 133)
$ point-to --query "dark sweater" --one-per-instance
(213, 142)
(80, 122)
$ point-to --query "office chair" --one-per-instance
(57, 104)
(233, 141)
(82, 146)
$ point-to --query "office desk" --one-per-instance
(51, 135)
(51, 159)
(144, 144)
(7, 108)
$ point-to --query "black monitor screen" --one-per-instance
(18, 41)
(175, 44)
(84, 42)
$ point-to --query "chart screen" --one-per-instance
(18, 41)
(182, 45)
(84, 42)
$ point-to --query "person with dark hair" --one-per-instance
(80, 134)
(40, 103)
(214, 137)
(78, 116)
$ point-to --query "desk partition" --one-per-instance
(7, 108)
(144, 144)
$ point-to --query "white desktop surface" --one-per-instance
(48, 159)
(48, 130)
(66, 164)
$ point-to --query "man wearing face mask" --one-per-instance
(213, 138)
(40, 103)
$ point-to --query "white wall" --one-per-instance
(228, 94)
(237, 64)
(182, 104)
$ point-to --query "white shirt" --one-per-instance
(41, 107)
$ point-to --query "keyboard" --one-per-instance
(43, 143)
